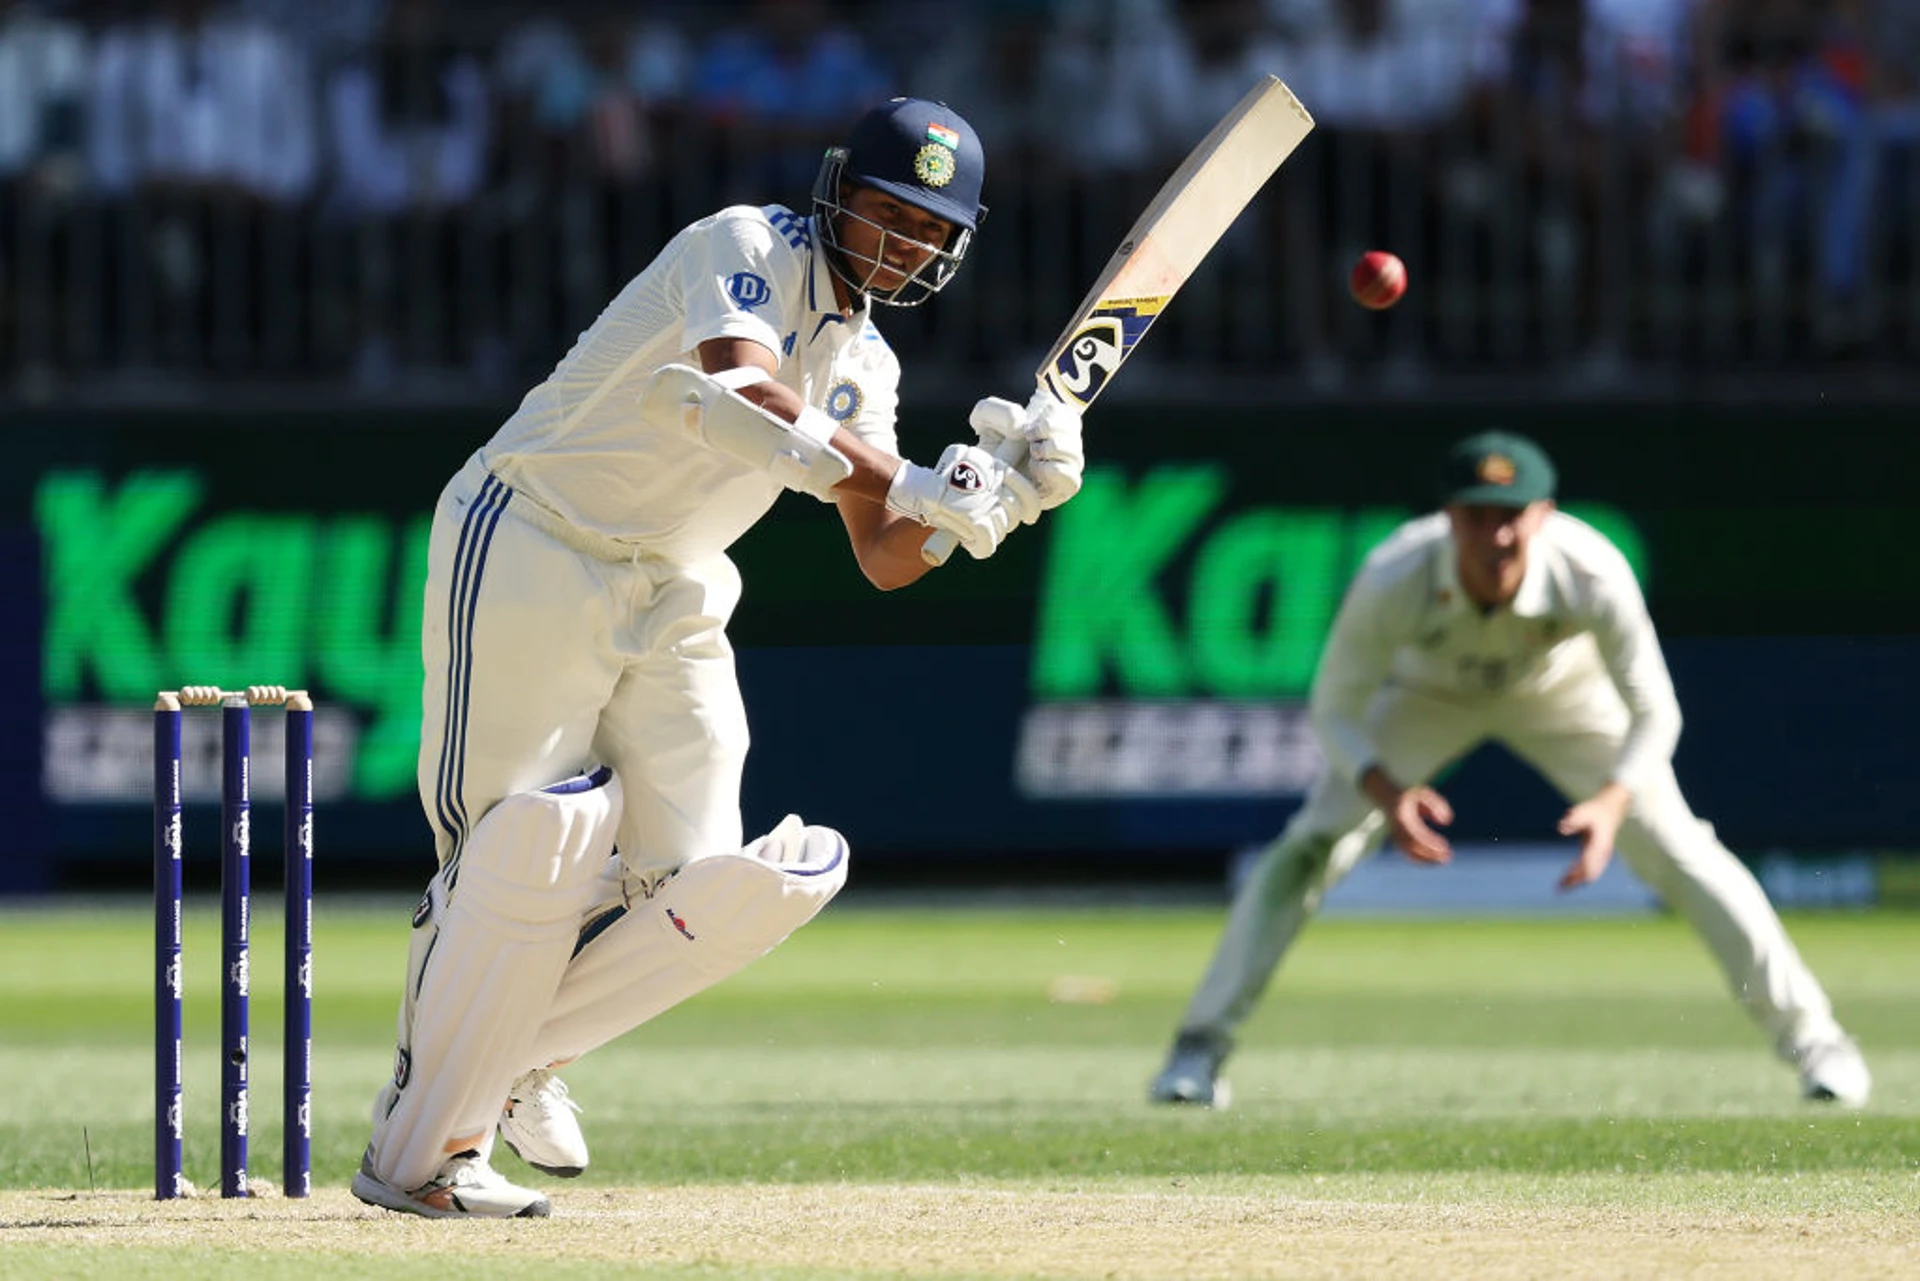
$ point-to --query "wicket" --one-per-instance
(235, 890)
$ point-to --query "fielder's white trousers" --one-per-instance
(1570, 734)
(548, 650)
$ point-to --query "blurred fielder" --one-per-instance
(583, 737)
(1502, 618)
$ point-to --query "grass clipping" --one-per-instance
(807, 1230)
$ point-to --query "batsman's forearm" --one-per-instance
(873, 470)
(896, 560)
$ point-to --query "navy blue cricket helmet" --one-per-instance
(918, 151)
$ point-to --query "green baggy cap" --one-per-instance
(1501, 468)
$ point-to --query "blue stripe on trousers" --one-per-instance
(476, 536)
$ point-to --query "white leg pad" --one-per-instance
(489, 950)
(714, 916)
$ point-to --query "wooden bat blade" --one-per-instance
(1192, 210)
(1187, 217)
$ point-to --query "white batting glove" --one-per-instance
(1053, 457)
(970, 494)
(1056, 456)
(996, 422)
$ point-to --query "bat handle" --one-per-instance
(940, 546)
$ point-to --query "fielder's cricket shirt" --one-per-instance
(1578, 621)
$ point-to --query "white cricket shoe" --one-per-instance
(1192, 1074)
(538, 1124)
(1834, 1072)
(465, 1188)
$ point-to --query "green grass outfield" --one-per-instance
(1530, 1077)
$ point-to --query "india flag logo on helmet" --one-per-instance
(944, 136)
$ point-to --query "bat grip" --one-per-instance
(940, 546)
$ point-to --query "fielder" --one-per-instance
(1501, 618)
(583, 737)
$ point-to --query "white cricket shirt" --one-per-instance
(1578, 619)
(579, 444)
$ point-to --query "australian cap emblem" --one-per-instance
(1496, 469)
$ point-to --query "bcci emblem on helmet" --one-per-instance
(922, 154)
(934, 165)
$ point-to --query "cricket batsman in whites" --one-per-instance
(583, 739)
(1502, 618)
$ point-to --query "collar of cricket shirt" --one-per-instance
(821, 297)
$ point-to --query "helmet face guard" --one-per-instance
(858, 271)
(923, 154)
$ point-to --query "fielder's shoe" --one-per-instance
(1834, 1072)
(1192, 1074)
(465, 1188)
(538, 1125)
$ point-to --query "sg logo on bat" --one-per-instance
(1090, 358)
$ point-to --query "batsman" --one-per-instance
(583, 734)
(1501, 618)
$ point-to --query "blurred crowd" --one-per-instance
(382, 192)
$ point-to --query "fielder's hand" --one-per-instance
(1412, 819)
(1412, 814)
(1597, 822)
(970, 494)
(1055, 457)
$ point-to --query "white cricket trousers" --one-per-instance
(549, 650)
(1570, 734)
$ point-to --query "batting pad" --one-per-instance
(504, 927)
(712, 918)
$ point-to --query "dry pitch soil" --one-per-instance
(930, 1231)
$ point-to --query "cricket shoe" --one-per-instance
(1192, 1074)
(1834, 1072)
(538, 1124)
(465, 1188)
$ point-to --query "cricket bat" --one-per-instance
(1182, 223)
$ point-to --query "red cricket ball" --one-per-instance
(1378, 280)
